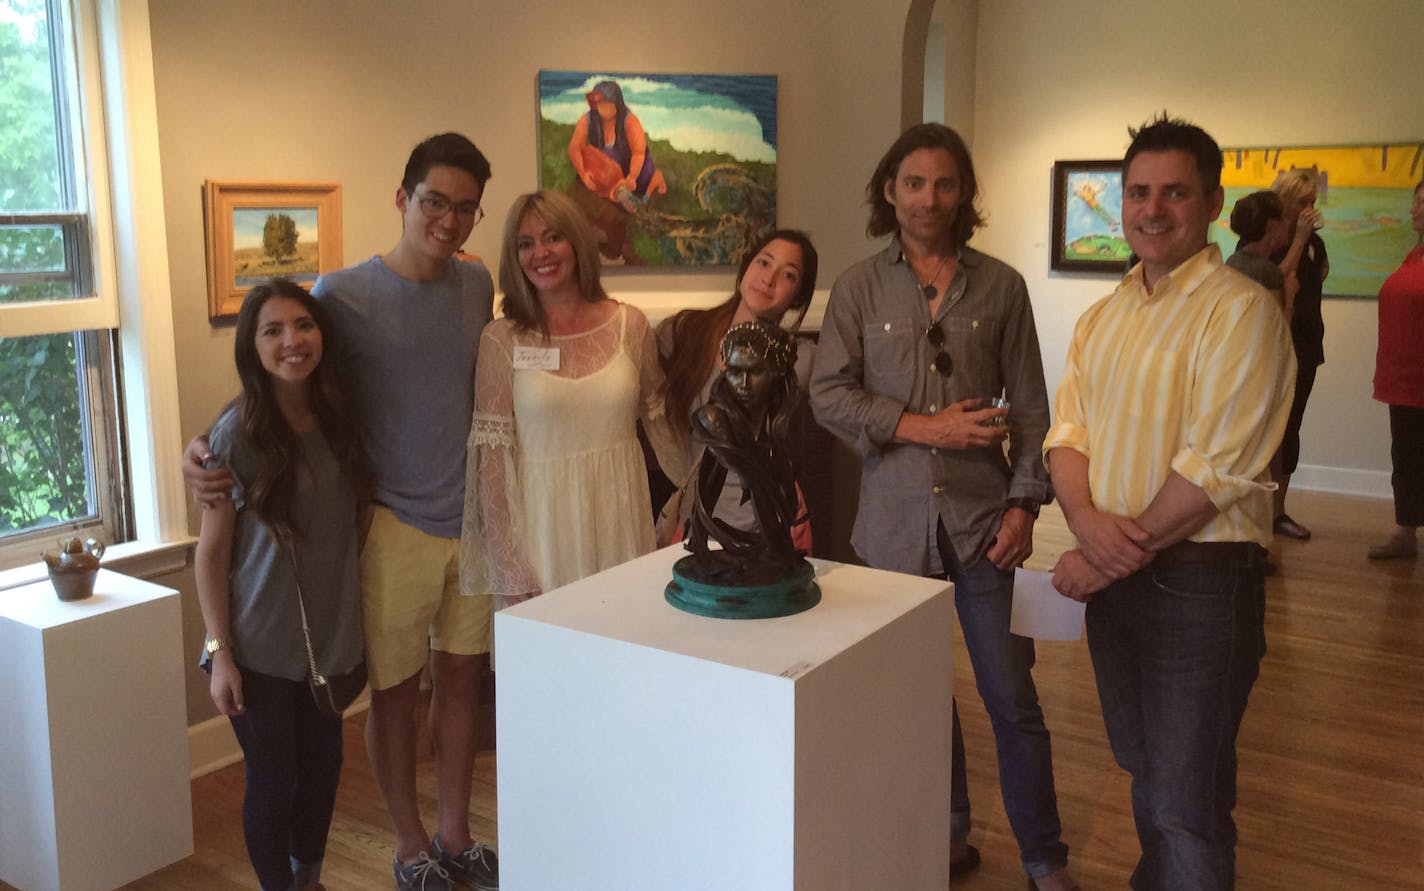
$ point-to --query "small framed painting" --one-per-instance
(262, 230)
(1087, 218)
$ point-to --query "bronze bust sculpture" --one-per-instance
(745, 427)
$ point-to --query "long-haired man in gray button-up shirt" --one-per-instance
(915, 341)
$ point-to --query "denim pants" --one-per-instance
(1176, 648)
(292, 754)
(1003, 663)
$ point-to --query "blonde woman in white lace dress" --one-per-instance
(556, 485)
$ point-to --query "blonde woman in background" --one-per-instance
(1304, 256)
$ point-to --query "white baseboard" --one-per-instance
(212, 746)
(1342, 481)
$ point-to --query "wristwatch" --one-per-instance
(216, 643)
(1029, 504)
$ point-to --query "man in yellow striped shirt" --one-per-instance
(1174, 398)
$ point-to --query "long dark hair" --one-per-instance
(277, 446)
(697, 332)
(608, 89)
(924, 136)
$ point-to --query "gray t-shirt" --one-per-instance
(1258, 269)
(266, 625)
(407, 354)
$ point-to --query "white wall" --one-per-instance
(1064, 81)
(341, 91)
(957, 21)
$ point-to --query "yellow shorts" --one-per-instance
(411, 602)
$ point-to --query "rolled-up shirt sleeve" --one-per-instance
(1069, 430)
(1021, 368)
(1240, 401)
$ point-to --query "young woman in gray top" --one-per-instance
(289, 527)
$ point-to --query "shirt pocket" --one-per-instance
(890, 356)
(972, 342)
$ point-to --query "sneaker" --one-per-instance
(422, 875)
(1284, 525)
(476, 866)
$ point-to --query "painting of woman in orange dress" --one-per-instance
(672, 169)
(615, 163)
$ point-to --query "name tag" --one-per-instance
(539, 358)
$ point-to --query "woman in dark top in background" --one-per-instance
(1305, 254)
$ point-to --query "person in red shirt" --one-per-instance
(1399, 383)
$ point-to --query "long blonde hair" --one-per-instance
(560, 213)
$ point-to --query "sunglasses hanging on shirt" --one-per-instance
(942, 362)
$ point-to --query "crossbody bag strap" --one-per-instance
(306, 630)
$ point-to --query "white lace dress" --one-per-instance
(556, 488)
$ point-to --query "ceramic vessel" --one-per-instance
(73, 569)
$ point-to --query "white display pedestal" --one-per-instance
(641, 747)
(94, 786)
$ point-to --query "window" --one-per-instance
(60, 467)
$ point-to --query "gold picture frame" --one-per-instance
(260, 230)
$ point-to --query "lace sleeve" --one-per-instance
(670, 447)
(492, 548)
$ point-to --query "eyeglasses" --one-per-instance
(942, 362)
(436, 206)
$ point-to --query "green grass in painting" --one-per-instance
(679, 168)
(1097, 247)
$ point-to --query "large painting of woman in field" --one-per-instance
(672, 169)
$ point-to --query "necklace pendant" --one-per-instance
(930, 291)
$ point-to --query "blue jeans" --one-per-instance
(1176, 648)
(1003, 663)
(292, 754)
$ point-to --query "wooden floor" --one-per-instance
(1331, 777)
(1332, 751)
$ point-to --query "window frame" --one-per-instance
(84, 186)
(122, 179)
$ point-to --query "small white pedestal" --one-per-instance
(93, 754)
(641, 747)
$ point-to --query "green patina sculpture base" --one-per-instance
(707, 588)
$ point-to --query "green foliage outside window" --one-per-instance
(42, 453)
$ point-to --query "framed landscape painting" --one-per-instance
(1087, 218)
(672, 169)
(261, 230)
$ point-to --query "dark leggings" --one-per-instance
(293, 758)
(1406, 447)
(1289, 454)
